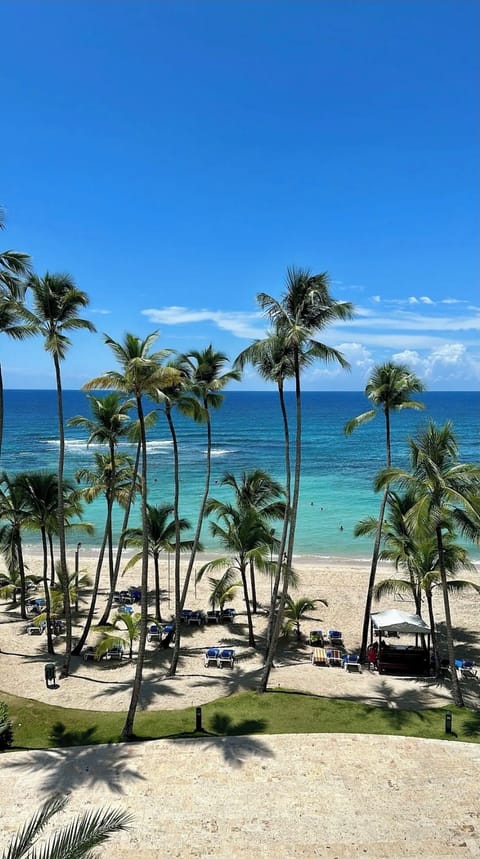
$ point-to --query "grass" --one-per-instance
(40, 726)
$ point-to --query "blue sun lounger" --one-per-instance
(211, 656)
(226, 657)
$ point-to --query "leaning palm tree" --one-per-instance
(305, 308)
(14, 268)
(161, 538)
(389, 390)
(56, 305)
(78, 839)
(141, 374)
(207, 377)
(295, 610)
(448, 498)
(13, 514)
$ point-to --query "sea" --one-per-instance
(337, 471)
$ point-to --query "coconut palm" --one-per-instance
(295, 610)
(448, 499)
(14, 513)
(389, 389)
(223, 590)
(141, 374)
(274, 363)
(161, 538)
(245, 535)
(113, 479)
(305, 308)
(56, 305)
(80, 838)
(124, 630)
(205, 371)
(259, 490)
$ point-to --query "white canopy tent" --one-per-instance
(394, 620)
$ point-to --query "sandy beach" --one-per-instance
(284, 796)
(106, 685)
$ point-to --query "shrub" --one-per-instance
(6, 730)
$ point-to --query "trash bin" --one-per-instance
(50, 673)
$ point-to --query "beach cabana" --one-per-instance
(401, 659)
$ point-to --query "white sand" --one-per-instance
(106, 685)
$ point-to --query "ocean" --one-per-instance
(337, 471)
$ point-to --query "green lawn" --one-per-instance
(38, 726)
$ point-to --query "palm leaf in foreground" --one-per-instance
(78, 839)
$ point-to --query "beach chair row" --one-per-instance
(219, 656)
(333, 637)
(335, 659)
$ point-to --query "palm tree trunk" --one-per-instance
(178, 601)
(456, 690)
(433, 631)
(253, 587)
(371, 580)
(272, 640)
(127, 732)
(158, 613)
(251, 636)
(21, 570)
(1, 410)
(50, 647)
(91, 611)
(201, 514)
(61, 521)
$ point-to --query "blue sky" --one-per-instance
(177, 157)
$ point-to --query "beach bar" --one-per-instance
(400, 658)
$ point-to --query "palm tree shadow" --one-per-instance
(88, 766)
(234, 740)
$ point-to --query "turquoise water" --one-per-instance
(247, 433)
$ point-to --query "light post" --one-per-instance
(77, 552)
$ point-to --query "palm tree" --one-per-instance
(207, 377)
(161, 538)
(114, 481)
(14, 512)
(295, 611)
(388, 389)
(274, 363)
(109, 423)
(257, 489)
(127, 634)
(305, 308)
(80, 838)
(56, 304)
(448, 498)
(223, 590)
(14, 268)
(246, 537)
(142, 374)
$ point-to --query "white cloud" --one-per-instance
(99, 311)
(409, 357)
(237, 323)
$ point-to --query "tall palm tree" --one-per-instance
(110, 422)
(207, 376)
(274, 363)
(161, 538)
(80, 838)
(389, 390)
(56, 305)
(448, 498)
(114, 481)
(141, 374)
(305, 308)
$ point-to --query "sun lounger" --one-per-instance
(210, 656)
(154, 633)
(316, 638)
(334, 658)
(36, 628)
(335, 638)
(227, 614)
(197, 617)
(465, 668)
(212, 616)
(351, 662)
(115, 652)
(226, 657)
(318, 656)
